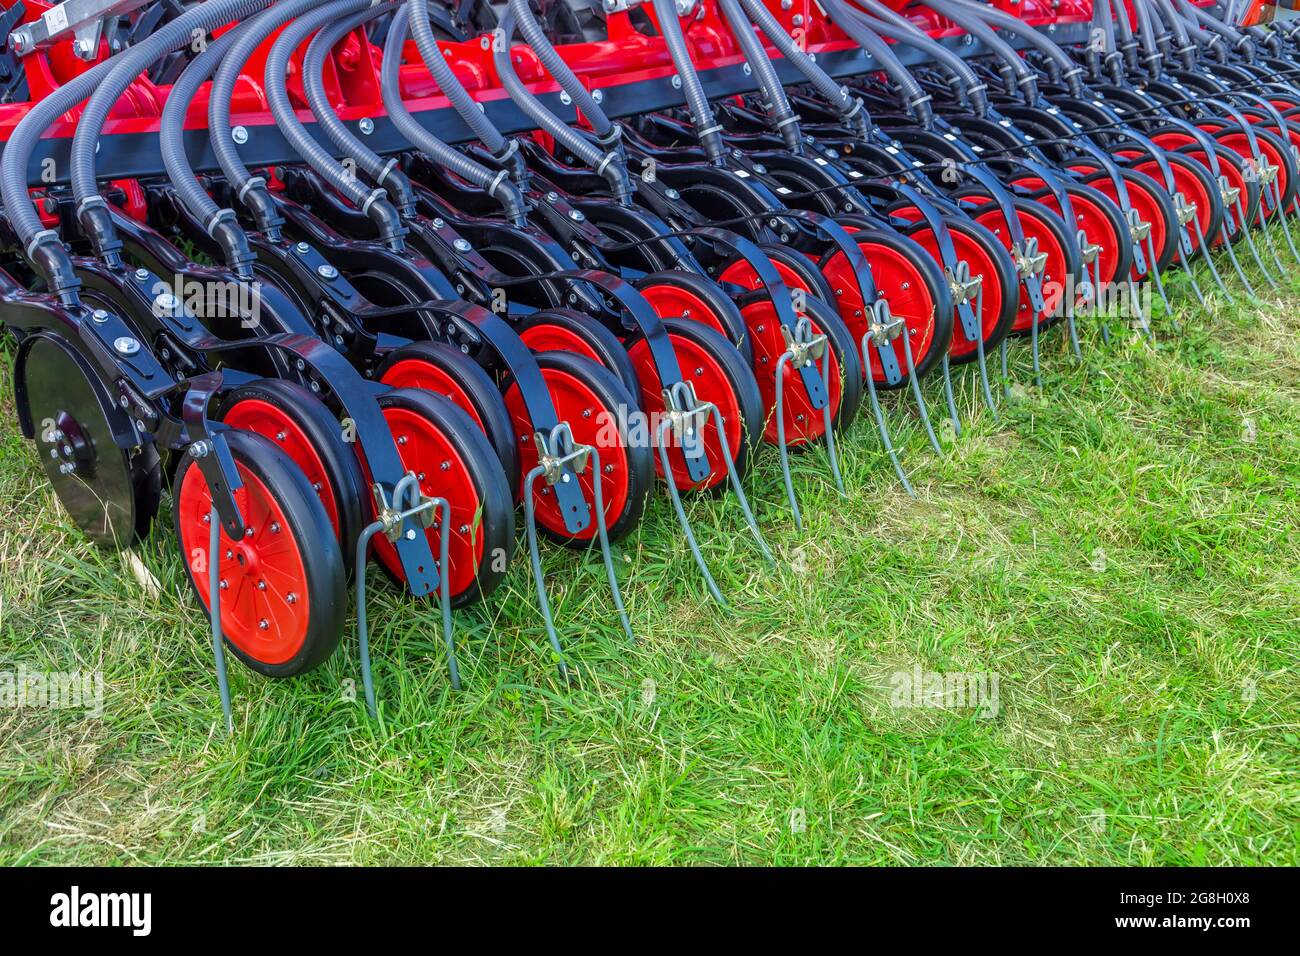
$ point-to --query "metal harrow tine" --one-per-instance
(555, 451)
(882, 330)
(916, 390)
(803, 349)
(214, 602)
(685, 410)
(391, 519)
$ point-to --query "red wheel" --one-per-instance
(685, 295)
(803, 423)
(1103, 225)
(282, 593)
(719, 375)
(1192, 180)
(295, 420)
(1149, 200)
(452, 459)
(603, 414)
(1049, 230)
(563, 330)
(437, 367)
(907, 278)
(979, 249)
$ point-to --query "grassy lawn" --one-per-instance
(1120, 551)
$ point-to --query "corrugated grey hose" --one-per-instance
(968, 87)
(1239, 41)
(382, 172)
(1071, 72)
(128, 66)
(1127, 44)
(496, 183)
(706, 125)
(1152, 57)
(451, 87)
(249, 189)
(607, 164)
(1186, 49)
(783, 117)
(536, 38)
(373, 203)
(915, 98)
(838, 96)
(219, 223)
(962, 16)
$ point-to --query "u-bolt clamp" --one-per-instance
(884, 326)
(1138, 228)
(1088, 251)
(1227, 192)
(1184, 210)
(685, 414)
(1265, 170)
(1029, 261)
(963, 286)
(804, 347)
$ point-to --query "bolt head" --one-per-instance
(125, 345)
(327, 272)
(367, 126)
(240, 135)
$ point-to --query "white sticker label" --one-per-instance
(891, 150)
(56, 19)
(742, 174)
(819, 161)
(949, 137)
(855, 174)
(782, 190)
(978, 149)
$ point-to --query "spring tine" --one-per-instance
(1191, 277)
(982, 359)
(916, 390)
(880, 421)
(1071, 320)
(1033, 348)
(444, 581)
(603, 536)
(1250, 243)
(535, 558)
(1006, 371)
(1267, 229)
(782, 448)
(1283, 217)
(681, 515)
(948, 396)
(1160, 285)
(739, 491)
(214, 601)
(363, 630)
(1209, 259)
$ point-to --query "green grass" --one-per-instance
(1121, 550)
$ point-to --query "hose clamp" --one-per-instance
(612, 137)
(787, 121)
(609, 158)
(89, 201)
(388, 168)
(715, 128)
(375, 195)
(492, 186)
(511, 148)
(221, 215)
(253, 182)
(45, 235)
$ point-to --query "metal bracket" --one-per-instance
(83, 18)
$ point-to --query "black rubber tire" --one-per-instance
(602, 342)
(313, 536)
(348, 483)
(478, 387)
(496, 505)
(724, 309)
